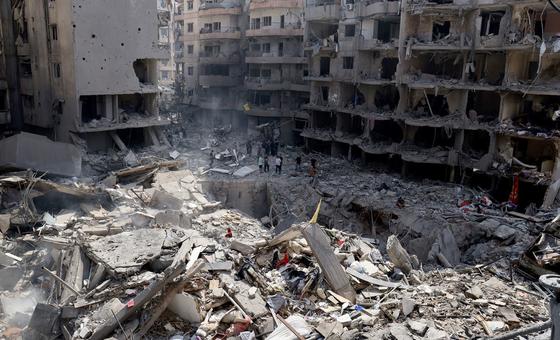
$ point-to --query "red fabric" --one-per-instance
(284, 261)
(514, 195)
(229, 232)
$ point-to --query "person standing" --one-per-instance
(313, 172)
(212, 158)
(266, 165)
(278, 163)
(260, 163)
(249, 148)
(298, 163)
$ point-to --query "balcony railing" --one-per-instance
(205, 30)
(314, 3)
(223, 4)
(273, 55)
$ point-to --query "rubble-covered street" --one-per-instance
(175, 249)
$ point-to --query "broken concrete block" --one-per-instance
(399, 332)
(162, 200)
(474, 293)
(219, 266)
(330, 330)
(407, 305)
(130, 159)
(436, 334)
(200, 198)
(255, 306)
(496, 326)
(141, 220)
(244, 171)
(510, 316)
(5, 222)
(243, 248)
(127, 252)
(186, 307)
(398, 255)
(283, 333)
(173, 218)
(504, 232)
(105, 313)
(30, 151)
(417, 327)
(45, 319)
(252, 292)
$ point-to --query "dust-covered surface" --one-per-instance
(174, 247)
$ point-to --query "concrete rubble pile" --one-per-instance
(145, 253)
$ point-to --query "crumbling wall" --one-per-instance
(105, 53)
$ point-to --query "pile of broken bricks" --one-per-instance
(164, 261)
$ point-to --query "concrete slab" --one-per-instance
(45, 319)
(185, 306)
(30, 151)
(9, 277)
(127, 252)
(245, 171)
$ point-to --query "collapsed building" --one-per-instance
(191, 238)
(75, 77)
(455, 90)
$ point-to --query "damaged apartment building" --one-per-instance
(243, 62)
(89, 69)
(466, 91)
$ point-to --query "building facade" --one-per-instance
(243, 62)
(167, 9)
(88, 71)
(456, 90)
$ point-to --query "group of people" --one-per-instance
(264, 164)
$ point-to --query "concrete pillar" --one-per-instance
(108, 107)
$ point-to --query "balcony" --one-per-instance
(219, 58)
(376, 8)
(206, 12)
(275, 31)
(268, 84)
(322, 11)
(230, 33)
(272, 58)
(218, 81)
(264, 111)
(375, 44)
(258, 4)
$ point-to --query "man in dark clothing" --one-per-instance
(211, 158)
(266, 165)
(298, 163)
(249, 148)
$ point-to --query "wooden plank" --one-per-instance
(527, 217)
(194, 256)
(75, 274)
(372, 280)
(286, 235)
(135, 304)
(170, 293)
(184, 250)
(319, 243)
